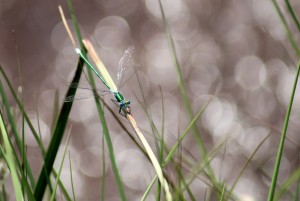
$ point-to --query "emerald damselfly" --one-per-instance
(105, 77)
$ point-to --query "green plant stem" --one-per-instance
(292, 12)
(288, 31)
(283, 135)
(185, 98)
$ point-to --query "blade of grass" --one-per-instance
(281, 145)
(24, 169)
(295, 176)
(56, 137)
(103, 170)
(152, 157)
(293, 14)
(13, 123)
(185, 132)
(288, 31)
(11, 160)
(297, 190)
(244, 166)
(148, 188)
(35, 134)
(71, 174)
(186, 101)
(55, 109)
(100, 112)
(60, 168)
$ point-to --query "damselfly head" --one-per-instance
(126, 109)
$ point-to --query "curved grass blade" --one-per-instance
(152, 157)
(281, 145)
(56, 138)
(108, 81)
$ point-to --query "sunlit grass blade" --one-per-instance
(152, 157)
(281, 145)
(10, 158)
(102, 69)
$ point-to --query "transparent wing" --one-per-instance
(87, 92)
(87, 87)
(123, 65)
(82, 96)
(79, 97)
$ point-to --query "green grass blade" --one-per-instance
(35, 134)
(281, 145)
(13, 123)
(60, 169)
(185, 99)
(103, 170)
(288, 31)
(245, 165)
(297, 190)
(56, 138)
(11, 160)
(144, 197)
(291, 180)
(293, 14)
(185, 132)
(109, 144)
(71, 174)
(55, 110)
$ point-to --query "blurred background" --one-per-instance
(234, 50)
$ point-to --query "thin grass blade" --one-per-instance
(60, 168)
(283, 135)
(56, 138)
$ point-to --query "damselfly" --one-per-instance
(124, 63)
(104, 75)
